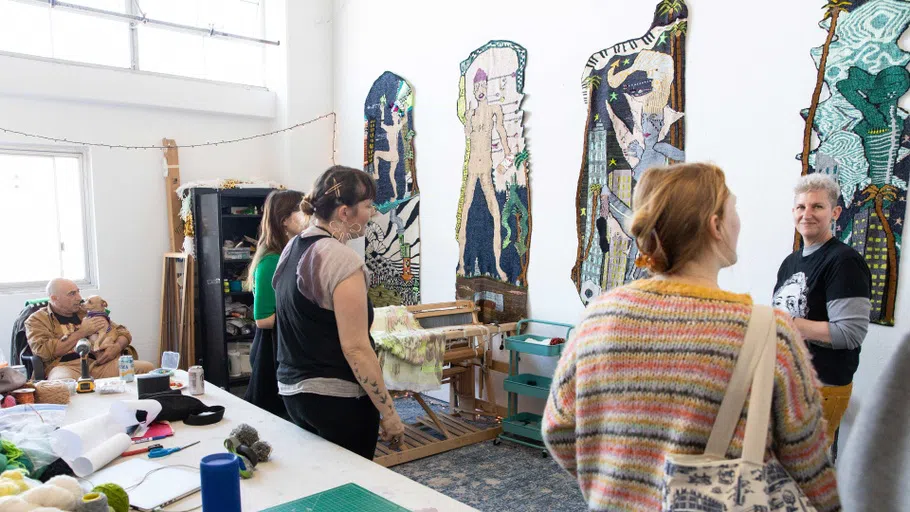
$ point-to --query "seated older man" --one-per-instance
(53, 332)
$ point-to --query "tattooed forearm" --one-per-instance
(367, 377)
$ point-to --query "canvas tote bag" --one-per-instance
(710, 482)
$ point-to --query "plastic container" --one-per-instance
(220, 474)
(529, 385)
(524, 424)
(520, 344)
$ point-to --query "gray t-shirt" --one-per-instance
(320, 270)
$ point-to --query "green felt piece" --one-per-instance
(340, 499)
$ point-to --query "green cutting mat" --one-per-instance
(344, 498)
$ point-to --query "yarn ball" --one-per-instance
(117, 498)
(245, 434)
(52, 392)
(263, 450)
(94, 502)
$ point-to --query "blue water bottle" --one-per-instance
(220, 482)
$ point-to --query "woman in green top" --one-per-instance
(281, 221)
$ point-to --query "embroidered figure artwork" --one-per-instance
(493, 226)
(864, 137)
(392, 250)
(635, 92)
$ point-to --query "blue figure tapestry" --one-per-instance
(392, 251)
(493, 225)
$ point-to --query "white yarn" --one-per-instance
(51, 496)
(60, 494)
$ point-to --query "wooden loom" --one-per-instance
(467, 363)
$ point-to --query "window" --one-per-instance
(63, 33)
(47, 218)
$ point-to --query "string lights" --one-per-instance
(180, 146)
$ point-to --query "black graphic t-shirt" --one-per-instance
(808, 285)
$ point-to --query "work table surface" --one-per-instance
(301, 463)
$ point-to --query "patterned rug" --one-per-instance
(491, 478)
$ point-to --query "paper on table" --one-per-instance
(90, 444)
(124, 411)
(74, 440)
(99, 456)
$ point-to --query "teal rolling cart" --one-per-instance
(524, 427)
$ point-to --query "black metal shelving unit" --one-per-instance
(214, 225)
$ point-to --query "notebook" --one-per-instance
(159, 489)
(154, 429)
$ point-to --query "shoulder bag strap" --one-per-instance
(756, 436)
(735, 396)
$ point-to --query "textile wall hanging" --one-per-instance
(493, 226)
(864, 137)
(392, 250)
(635, 92)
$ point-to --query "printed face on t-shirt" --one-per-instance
(791, 297)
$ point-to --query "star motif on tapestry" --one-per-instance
(626, 62)
(613, 96)
(612, 162)
(663, 39)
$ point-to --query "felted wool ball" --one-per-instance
(117, 498)
(15, 504)
(94, 502)
(245, 434)
(52, 496)
(263, 450)
(12, 482)
(68, 483)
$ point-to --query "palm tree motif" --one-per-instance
(877, 195)
(670, 8)
(592, 82)
(832, 10)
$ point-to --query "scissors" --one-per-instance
(157, 453)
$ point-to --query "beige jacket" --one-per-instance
(43, 331)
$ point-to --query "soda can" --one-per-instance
(196, 382)
(127, 371)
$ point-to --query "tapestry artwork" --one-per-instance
(635, 92)
(864, 136)
(493, 225)
(392, 251)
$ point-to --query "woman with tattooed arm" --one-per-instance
(328, 374)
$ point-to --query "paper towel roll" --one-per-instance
(101, 455)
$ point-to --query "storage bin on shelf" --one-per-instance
(524, 427)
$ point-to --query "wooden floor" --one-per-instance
(418, 442)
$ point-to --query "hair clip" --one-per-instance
(336, 188)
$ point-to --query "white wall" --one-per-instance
(744, 94)
(128, 186)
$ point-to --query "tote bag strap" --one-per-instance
(756, 437)
(757, 334)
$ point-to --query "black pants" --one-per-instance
(262, 390)
(351, 423)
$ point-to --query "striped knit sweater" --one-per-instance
(644, 376)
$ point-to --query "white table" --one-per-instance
(301, 463)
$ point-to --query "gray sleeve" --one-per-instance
(848, 322)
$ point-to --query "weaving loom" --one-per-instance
(467, 362)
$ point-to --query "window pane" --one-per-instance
(166, 51)
(72, 224)
(25, 29)
(234, 61)
(240, 17)
(27, 189)
(83, 38)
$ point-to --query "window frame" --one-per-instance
(90, 245)
(135, 64)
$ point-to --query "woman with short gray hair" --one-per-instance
(825, 286)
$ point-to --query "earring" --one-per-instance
(338, 232)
